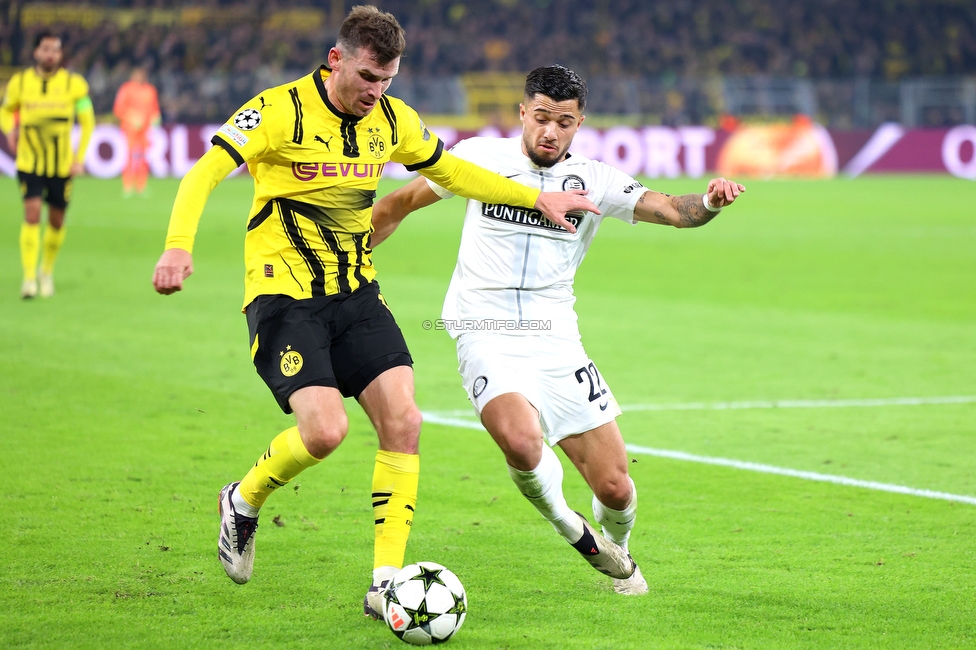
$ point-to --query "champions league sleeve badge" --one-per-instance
(248, 119)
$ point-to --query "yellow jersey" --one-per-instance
(316, 170)
(48, 107)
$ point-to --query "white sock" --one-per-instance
(383, 573)
(242, 506)
(617, 524)
(543, 487)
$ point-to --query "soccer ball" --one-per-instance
(424, 604)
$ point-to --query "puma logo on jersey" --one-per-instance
(325, 142)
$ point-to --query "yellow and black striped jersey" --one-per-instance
(316, 170)
(48, 107)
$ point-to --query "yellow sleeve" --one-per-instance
(257, 128)
(85, 114)
(195, 189)
(473, 182)
(11, 104)
(421, 151)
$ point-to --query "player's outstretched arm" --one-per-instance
(176, 262)
(466, 179)
(687, 210)
(174, 266)
(393, 208)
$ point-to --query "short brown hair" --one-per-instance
(377, 31)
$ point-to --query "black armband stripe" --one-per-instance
(260, 217)
(226, 146)
(390, 117)
(289, 220)
(358, 239)
(430, 161)
(342, 257)
(350, 147)
(299, 129)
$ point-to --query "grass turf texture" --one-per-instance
(123, 412)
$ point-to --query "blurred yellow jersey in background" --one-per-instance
(46, 109)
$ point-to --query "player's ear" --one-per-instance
(335, 56)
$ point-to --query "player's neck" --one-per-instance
(45, 75)
(333, 98)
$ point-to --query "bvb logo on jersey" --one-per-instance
(248, 119)
(376, 146)
(291, 362)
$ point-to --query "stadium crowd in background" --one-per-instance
(209, 59)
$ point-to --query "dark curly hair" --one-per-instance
(558, 83)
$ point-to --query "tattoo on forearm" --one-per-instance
(691, 210)
(659, 217)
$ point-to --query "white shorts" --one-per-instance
(553, 374)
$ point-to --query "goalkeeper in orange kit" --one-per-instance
(137, 107)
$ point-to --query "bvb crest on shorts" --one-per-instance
(291, 362)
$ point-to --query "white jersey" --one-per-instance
(515, 268)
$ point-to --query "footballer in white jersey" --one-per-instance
(510, 309)
(515, 268)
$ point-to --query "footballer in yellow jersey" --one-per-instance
(317, 169)
(319, 327)
(39, 109)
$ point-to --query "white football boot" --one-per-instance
(373, 602)
(635, 585)
(235, 546)
(605, 556)
(47, 284)
(28, 289)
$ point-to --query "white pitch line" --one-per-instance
(803, 403)
(435, 418)
(809, 476)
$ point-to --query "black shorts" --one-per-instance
(55, 191)
(344, 341)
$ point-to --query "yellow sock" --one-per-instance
(30, 245)
(284, 460)
(53, 238)
(395, 478)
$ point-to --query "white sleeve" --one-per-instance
(462, 150)
(620, 193)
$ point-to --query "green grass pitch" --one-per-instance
(123, 412)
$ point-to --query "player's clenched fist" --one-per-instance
(174, 266)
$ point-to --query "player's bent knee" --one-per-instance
(615, 492)
(521, 451)
(402, 433)
(413, 419)
(323, 438)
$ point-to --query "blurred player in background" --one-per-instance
(510, 307)
(137, 108)
(319, 327)
(40, 107)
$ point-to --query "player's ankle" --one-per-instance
(241, 506)
(383, 573)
